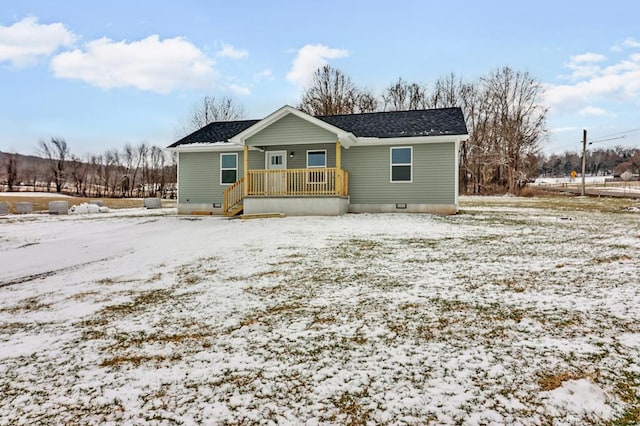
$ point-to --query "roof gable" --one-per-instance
(291, 130)
(279, 115)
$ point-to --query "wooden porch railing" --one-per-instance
(233, 195)
(326, 181)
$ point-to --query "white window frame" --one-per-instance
(324, 151)
(392, 164)
(228, 168)
(324, 174)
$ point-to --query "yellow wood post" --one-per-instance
(246, 169)
(338, 188)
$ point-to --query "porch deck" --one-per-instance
(287, 183)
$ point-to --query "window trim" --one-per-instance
(392, 164)
(324, 151)
(323, 175)
(222, 169)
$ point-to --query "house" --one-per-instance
(294, 163)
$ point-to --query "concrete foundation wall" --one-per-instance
(198, 208)
(404, 208)
(297, 206)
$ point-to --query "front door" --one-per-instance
(276, 180)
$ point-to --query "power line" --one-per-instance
(626, 132)
(608, 139)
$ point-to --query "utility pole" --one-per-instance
(584, 158)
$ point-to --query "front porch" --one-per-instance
(298, 191)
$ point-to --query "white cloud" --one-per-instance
(618, 82)
(592, 111)
(228, 51)
(584, 65)
(265, 74)
(629, 43)
(563, 129)
(25, 41)
(311, 57)
(239, 90)
(587, 57)
(150, 64)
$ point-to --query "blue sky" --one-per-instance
(102, 74)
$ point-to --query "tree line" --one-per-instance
(600, 162)
(141, 170)
(503, 109)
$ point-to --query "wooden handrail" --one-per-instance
(312, 181)
(233, 195)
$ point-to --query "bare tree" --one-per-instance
(56, 152)
(447, 92)
(366, 101)
(79, 170)
(518, 121)
(403, 96)
(331, 92)
(211, 109)
(12, 171)
(141, 158)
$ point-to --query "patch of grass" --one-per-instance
(512, 284)
(356, 247)
(612, 259)
(422, 243)
(551, 381)
(155, 277)
(30, 304)
(141, 302)
(352, 410)
(321, 320)
(197, 271)
(126, 341)
(136, 360)
(265, 274)
(82, 295)
(42, 203)
(630, 416)
(111, 281)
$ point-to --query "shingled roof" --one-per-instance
(392, 124)
(218, 131)
(397, 124)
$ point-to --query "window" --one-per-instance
(402, 164)
(228, 168)
(316, 160)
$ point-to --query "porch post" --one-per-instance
(246, 169)
(338, 188)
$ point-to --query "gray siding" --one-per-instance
(299, 160)
(433, 175)
(291, 130)
(199, 177)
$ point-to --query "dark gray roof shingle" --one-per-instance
(218, 131)
(392, 124)
(397, 124)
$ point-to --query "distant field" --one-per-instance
(41, 202)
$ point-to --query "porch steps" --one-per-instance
(235, 210)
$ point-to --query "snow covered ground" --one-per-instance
(499, 315)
